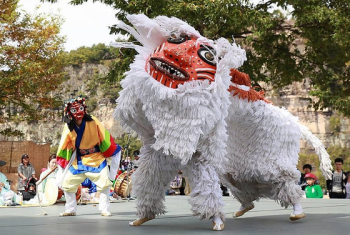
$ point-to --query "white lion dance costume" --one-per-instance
(179, 94)
(263, 147)
(175, 97)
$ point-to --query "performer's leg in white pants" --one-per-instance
(70, 208)
(71, 183)
(104, 203)
(150, 182)
(245, 192)
(70, 186)
(206, 195)
(103, 185)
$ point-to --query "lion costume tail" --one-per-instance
(325, 161)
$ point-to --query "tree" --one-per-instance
(93, 54)
(315, 44)
(129, 144)
(31, 64)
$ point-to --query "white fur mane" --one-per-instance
(183, 120)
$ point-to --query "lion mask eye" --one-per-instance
(207, 54)
(174, 38)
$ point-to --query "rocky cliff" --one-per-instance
(331, 128)
(78, 82)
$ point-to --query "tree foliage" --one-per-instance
(100, 54)
(129, 144)
(30, 63)
(315, 44)
(94, 54)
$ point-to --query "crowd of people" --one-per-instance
(29, 192)
(337, 187)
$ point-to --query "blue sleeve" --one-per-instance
(117, 150)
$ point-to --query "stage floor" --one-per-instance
(323, 217)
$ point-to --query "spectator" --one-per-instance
(312, 190)
(40, 195)
(336, 186)
(307, 168)
(30, 193)
(136, 154)
(177, 186)
(224, 190)
(347, 186)
(26, 173)
(126, 164)
(7, 196)
(89, 191)
(52, 164)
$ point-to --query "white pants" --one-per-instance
(71, 202)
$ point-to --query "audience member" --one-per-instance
(347, 186)
(224, 190)
(336, 186)
(177, 186)
(89, 191)
(312, 190)
(126, 164)
(307, 168)
(136, 154)
(7, 196)
(40, 195)
(52, 164)
(30, 193)
(26, 172)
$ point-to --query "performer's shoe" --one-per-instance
(218, 227)
(138, 222)
(242, 212)
(67, 214)
(106, 214)
(294, 217)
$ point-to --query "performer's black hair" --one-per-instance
(71, 122)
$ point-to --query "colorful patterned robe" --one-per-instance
(93, 144)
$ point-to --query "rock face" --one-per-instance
(295, 98)
(78, 80)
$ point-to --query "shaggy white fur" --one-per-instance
(186, 128)
(263, 147)
(180, 128)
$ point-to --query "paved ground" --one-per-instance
(324, 217)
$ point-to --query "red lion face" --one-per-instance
(180, 60)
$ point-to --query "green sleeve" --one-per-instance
(319, 191)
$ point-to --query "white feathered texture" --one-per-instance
(263, 147)
(151, 179)
(325, 161)
(177, 126)
(182, 119)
